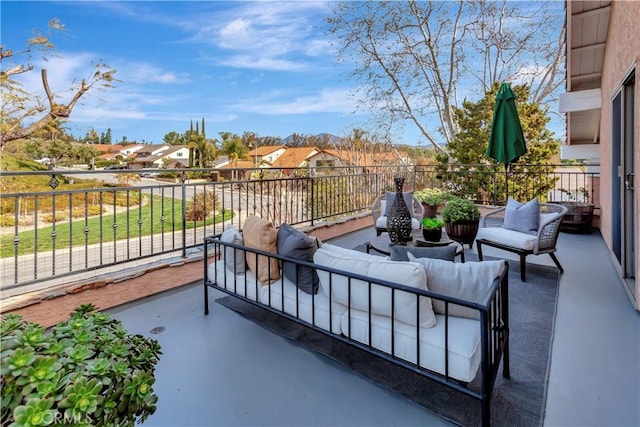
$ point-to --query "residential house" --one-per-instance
(340, 157)
(157, 156)
(601, 106)
(267, 154)
(108, 151)
(129, 150)
(297, 157)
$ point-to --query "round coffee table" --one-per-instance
(383, 242)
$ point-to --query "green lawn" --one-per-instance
(75, 231)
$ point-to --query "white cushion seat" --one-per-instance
(312, 308)
(381, 222)
(511, 238)
(464, 341)
(246, 285)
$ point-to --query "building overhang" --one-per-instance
(586, 37)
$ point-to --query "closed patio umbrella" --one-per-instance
(506, 141)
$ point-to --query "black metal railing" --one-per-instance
(93, 222)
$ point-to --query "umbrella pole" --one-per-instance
(506, 183)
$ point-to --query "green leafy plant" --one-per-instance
(579, 195)
(431, 223)
(83, 371)
(432, 196)
(458, 209)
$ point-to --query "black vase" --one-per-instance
(399, 218)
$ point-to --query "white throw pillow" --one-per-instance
(234, 259)
(522, 217)
(355, 292)
(469, 281)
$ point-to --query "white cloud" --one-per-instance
(270, 33)
(325, 101)
(262, 63)
(137, 72)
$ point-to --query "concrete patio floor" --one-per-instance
(224, 370)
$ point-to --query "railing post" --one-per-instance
(183, 180)
(313, 198)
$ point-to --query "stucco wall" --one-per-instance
(622, 52)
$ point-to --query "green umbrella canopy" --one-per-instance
(506, 141)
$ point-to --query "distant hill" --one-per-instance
(332, 139)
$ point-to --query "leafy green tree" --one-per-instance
(173, 138)
(22, 113)
(469, 146)
(91, 137)
(234, 147)
(105, 137)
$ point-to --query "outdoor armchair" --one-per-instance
(492, 232)
(379, 208)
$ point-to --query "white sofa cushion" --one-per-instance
(246, 285)
(381, 222)
(469, 281)
(512, 238)
(312, 308)
(464, 341)
(357, 293)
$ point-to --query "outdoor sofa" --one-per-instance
(359, 299)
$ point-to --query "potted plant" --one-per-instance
(461, 218)
(431, 199)
(579, 210)
(432, 229)
(83, 371)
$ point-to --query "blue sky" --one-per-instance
(265, 67)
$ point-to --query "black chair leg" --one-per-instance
(479, 246)
(523, 267)
(555, 260)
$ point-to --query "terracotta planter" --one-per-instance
(430, 211)
(463, 231)
(432, 235)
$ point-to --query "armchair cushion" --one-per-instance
(522, 217)
(391, 197)
(511, 238)
(381, 222)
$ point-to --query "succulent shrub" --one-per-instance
(84, 371)
(458, 209)
(432, 196)
(432, 223)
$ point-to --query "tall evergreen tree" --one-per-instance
(470, 144)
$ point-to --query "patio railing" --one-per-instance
(87, 224)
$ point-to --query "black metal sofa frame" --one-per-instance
(492, 312)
